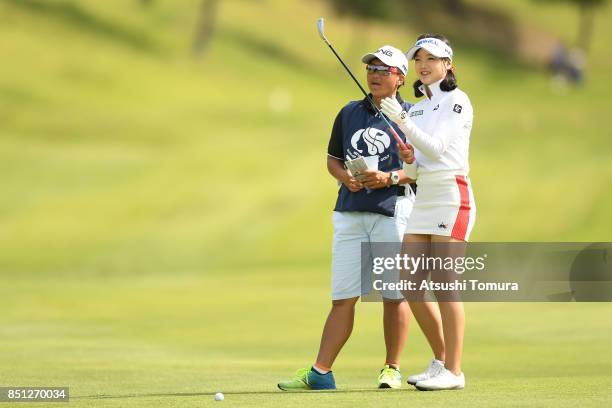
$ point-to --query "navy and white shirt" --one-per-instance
(358, 131)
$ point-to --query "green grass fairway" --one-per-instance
(173, 341)
(165, 221)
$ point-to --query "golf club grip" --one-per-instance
(399, 141)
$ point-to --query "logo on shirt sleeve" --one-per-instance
(457, 108)
(416, 113)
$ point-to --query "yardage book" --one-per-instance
(356, 166)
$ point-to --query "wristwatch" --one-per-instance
(395, 178)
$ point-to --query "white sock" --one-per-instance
(318, 370)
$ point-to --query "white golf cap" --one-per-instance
(390, 56)
(436, 47)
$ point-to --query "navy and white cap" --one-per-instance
(389, 56)
(436, 47)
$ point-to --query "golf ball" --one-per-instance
(219, 396)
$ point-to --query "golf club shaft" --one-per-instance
(399, 141)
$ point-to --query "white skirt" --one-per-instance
(444, 205)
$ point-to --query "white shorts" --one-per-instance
(350, 230)
(444, 205)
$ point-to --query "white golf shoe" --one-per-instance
(445, 380)
(433, 369)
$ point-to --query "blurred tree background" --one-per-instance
(587, 10)
(124, 152)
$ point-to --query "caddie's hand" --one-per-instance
(375, 179)
(407, 155)
(392, 108)
(352, 184)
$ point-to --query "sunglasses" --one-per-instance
(382, 70)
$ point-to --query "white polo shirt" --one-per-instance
(439, 129)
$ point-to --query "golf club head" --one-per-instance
(321, 28)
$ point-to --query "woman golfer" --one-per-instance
(439, 128)
(372, 207)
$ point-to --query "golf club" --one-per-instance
(321, 28)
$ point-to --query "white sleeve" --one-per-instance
(455, 116)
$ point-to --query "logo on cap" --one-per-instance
(388, 53)
(437, 47)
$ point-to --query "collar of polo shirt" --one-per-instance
(370, 109)
(436, 92)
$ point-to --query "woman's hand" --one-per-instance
(407, 155)
(351, 183)
(375, 179)
(392, 108)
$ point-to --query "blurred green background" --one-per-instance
(165, 214)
